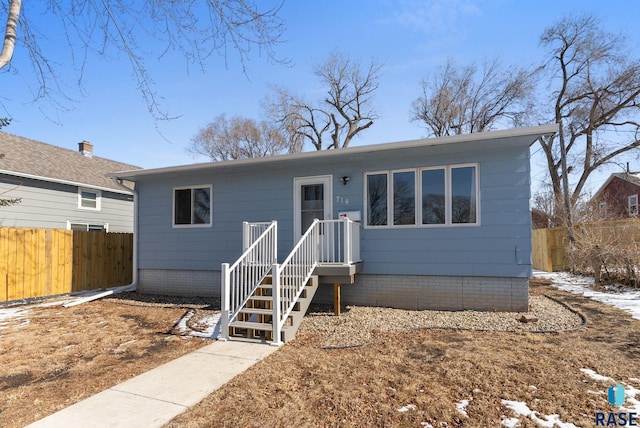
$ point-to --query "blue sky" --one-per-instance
(411, 37)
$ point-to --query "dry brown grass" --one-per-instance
(63, 355)
(304, 385)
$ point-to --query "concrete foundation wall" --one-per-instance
(416, 292)
(202, 283)
(433, 292)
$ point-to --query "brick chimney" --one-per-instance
(86, 148)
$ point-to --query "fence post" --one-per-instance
(224, 298)
(275, 322)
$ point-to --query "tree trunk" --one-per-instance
(10, 33)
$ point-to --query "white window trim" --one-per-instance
(418, 197)
(298, 182)
(365, 192)
(602, 209)
(632, 207)
(173, 206)
(390, 202)
(98, 194)
(448, 195)
(105, 225)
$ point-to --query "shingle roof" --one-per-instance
(30, 157)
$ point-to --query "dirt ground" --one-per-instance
(307, 386)
(54, 357)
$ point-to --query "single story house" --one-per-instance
(618, 196)
(441, 223)
(61, 188)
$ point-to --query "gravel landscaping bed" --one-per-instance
(357, 325)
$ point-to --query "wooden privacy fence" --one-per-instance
(551, 246)
(46, 262)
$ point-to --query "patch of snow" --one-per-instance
(406, 408)
(510, 422)
(461, 406)
(533, 387)
(426, 425)
(595, 376)
(627, 300)
(522, 409)
(211, 323)
(13, 314)
(631, 394)
(633, 379)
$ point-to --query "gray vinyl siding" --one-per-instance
(50, 205)
(499, 246)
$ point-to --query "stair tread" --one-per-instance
(261, 311)
(251, 325)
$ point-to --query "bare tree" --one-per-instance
(460, 100)
(4, 121)
(595, 96)
(238, 138)
(196, 29)
(344, 112)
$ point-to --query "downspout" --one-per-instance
(118, 182)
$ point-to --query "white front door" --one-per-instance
(313, 198)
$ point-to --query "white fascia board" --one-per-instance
(536, 131)
(60, 181)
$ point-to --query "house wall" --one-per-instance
(499, 247)
(51, 205)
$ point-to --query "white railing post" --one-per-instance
(355, 241)
(225, 297)
(275, 240)
(276, 326)
(246, 236)
(347, 240)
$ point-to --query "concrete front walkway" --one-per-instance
(157, 396)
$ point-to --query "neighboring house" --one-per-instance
(618, 196)
(445, 222)
(61, 188)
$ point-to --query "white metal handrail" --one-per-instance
(290, 277)
(339, 242)
(252, 231)
(240, 280)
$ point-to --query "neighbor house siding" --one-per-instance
(51, 205)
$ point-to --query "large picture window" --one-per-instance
(444, 195)
(192, 206)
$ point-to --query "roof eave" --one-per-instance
(462, 138)
(61, 181)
